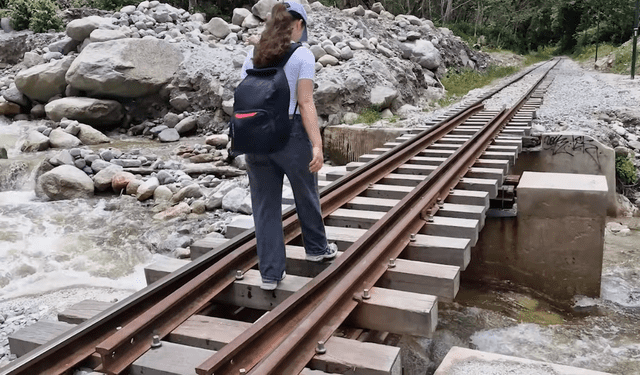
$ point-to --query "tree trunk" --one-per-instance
(193, 4)
(447, 14)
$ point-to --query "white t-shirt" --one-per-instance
(301, 65)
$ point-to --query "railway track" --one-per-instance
(415, 204)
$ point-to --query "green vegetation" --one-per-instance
(625, 170)
(621, 56)
(368, 116)
(37, 15)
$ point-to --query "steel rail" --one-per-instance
(78, 344)
(290, 332)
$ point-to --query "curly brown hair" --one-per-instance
(276, 38)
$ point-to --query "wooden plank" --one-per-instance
(387, 310)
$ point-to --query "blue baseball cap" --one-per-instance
(298, 12)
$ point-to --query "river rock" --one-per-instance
(35, 141)
(13, 95)
(162, 193)
(169, 135)
(146, 189)
(66, 182)
(121, 180)
(43, 82)
(64, 46)
(90, 136)
(217, 27)
(62, 158)
(191, 191)
(262, 8)
(239, 14)
(80, 29)
(179, 210)
(103, 180)
(236, 201)
(187, 125)
(99, 35)
(61, 139)
(8, 108)
(127, 68)
(217, 140)
(100, 113)
(133, 186)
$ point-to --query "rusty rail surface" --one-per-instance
(125, 331)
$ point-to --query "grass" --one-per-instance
(622, 62)
(368, 116)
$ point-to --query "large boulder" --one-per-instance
(127, 68)
(66, 182)
(42, 82)
(34, 141)
(262, 8)
(95, 112)
(426, 54)
(239, 14)
(81, 29)
(218, 27)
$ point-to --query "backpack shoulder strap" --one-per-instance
(287, 56)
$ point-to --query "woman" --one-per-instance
(300, 159)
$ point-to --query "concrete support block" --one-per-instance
(572, 153)
(345, 143)
(555, 243)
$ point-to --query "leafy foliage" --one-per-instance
(369, 116)
(44, 17)
(625, 170)
(20, 13)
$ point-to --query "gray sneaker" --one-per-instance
(330, 253)
(271, 284)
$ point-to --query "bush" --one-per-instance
(44, 17)
(625, 170)
(37, 15)
(20, 13)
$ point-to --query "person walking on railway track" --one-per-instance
(300, 159)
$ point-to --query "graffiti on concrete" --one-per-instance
(572, 145)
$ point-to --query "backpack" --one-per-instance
(260, 122)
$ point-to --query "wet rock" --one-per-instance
(169, 135)
(121, 180)
(8, 108)
(146, 189)
(150, 64)
(96, 112)
(66, 182)
(62, 158)
(191, 191)
(103, 180)
(90, 136)
(180, 210)
(13, 95)
(99, 164)
(61, 139)
(133, 186)
(43, 82)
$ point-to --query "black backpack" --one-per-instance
(260, 122)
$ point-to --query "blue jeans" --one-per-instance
(266, 173)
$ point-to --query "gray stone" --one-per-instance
(171, 120)
(66, 182)
(64, 46)
(62, 158)
(12, 94)
(187, 125)
(61, 139)
(100, 35)
(355, 82)
(328, 60)
(102, 179)
(318, 51)
(333, 51)
(262, 8)
(377, 7)
(346, 53)
(5, 24)
(382, 96)
(251, 22)
(162, 193)
(90, 136)
(43, 82)
(32, 59)
(235, 201)
(8, 108)
(37, 111)
(217, 140)
(191, 191)
(180, 102)
(146, 189)
(239, 14)
(127, 163)
(98, 164)
(80, 29)
(95, 112)
(128, 68)
(217, 27)
(169, 135)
